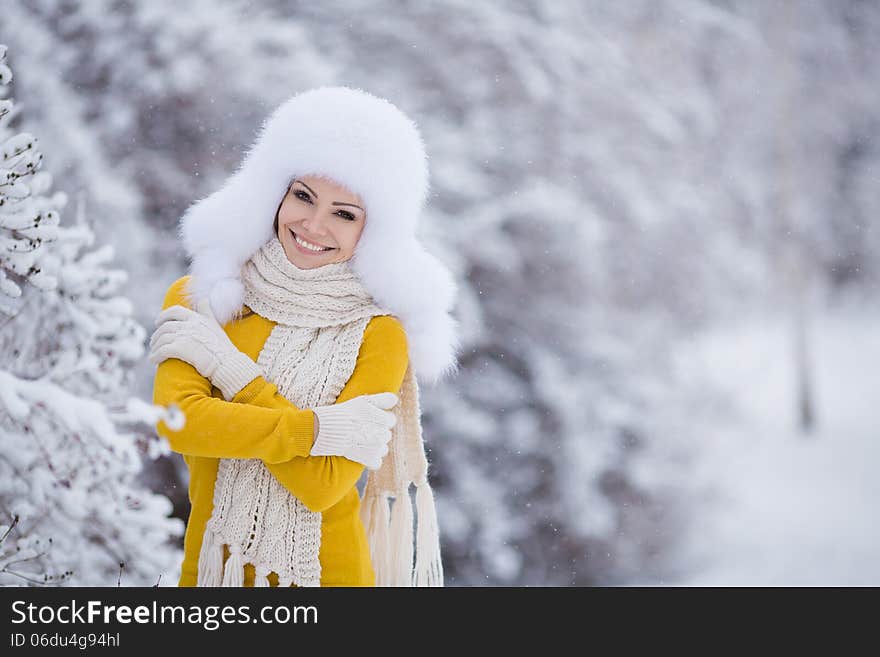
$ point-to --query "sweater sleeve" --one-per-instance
(322, 481)
(252, 425)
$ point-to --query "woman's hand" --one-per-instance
(358, 429)
(200, 341)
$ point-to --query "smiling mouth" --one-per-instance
(308, 246)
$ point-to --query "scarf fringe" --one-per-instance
(390, 536)
(401, 539)
(375, 516)
(261, 577)
(429, 565)
(210, 569)
(213, 572)
(233, 573)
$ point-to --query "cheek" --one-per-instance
(283, 213)
(352, 237)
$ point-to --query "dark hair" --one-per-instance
(286, 192)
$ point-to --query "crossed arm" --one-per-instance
(261, 423)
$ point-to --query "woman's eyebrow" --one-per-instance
(306, 186)
(351, 204)
(334, 202)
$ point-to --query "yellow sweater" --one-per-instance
(260, 423)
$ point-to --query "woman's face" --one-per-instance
(326, 216)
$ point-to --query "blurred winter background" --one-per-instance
(663, 217)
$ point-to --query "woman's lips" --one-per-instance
(304, 250)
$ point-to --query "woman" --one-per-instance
(329, 308)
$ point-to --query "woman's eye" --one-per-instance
(300, 194)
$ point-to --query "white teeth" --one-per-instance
(308, 245)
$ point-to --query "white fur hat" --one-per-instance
(368, 145)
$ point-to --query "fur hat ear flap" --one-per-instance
(220, 233)
(421, 291)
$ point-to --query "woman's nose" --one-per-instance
(315, 223)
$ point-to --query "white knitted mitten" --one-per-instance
(358, 429)
(200, 341)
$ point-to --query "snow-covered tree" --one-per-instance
(28, 220)
(71, 441)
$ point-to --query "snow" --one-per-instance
(789, 509)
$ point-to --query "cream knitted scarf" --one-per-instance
(320, 316)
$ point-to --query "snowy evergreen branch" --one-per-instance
(27, 218)
(72, 441)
